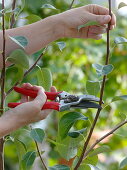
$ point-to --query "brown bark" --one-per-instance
(1, 154)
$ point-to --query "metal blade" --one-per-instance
(86, 104)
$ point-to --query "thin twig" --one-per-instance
(13, 15)
(40, 155)
(2, 87)
(3, 57)
(71, 4)
(105, 136)
(101, 96)
(27, 72)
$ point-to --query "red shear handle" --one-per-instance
(33, 94)
(47, 105)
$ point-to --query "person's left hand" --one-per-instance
(71, 19)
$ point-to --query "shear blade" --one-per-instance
(86, 105)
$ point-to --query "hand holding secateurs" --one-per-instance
(61, 101)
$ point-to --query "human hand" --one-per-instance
(30, 111)
(73, 18)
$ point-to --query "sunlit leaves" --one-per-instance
(61, 45)
(49, 6)
(44, 77)
(99, 150)
(59, 167)
(118, 98)
(28, 159)
(120, 40)
(76, 133)
(37, 134)
(20, 40)
(122, 4)
(20, 58)
(92, 87)
(67, 121)
(90, 23)
(32, 18)
(123, 164)
(103, 69)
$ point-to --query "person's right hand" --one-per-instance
(30, 111)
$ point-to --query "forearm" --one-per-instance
(39, 35)
(9, 122)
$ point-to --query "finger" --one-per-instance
(41, 97)
(99, 10)
(45, 113)
(53, 89)
(97, 30)
(95, 36)
(33, 87)
(27, 85)
(24, 99)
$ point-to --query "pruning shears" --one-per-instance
(61, 101)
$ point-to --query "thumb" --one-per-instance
(101, 19)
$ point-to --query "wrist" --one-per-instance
(8, 123)
(56, 25)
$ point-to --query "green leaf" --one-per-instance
(21, 150)
(67, 121)
(76, 133)
(117, 98)
(107, 69)
(67, 147)
(20, 40)
(20, 58)
(0, 6)
(28, 159)
(123, 163)
(23, 2)
(14, 74)
(37, 134)
(120, 40)
(90, 23)
(61, 45)
(103, 69)
(98, 67)
(122, 4)
(91, 160)
(0, 10)
(93, 87)
(84, 167)
(44, 77)
(32, 18)
(99, 150)
(15, 11)
(49, 6)
(59, 167)
(93, 167)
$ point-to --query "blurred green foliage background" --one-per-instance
(71, 69)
